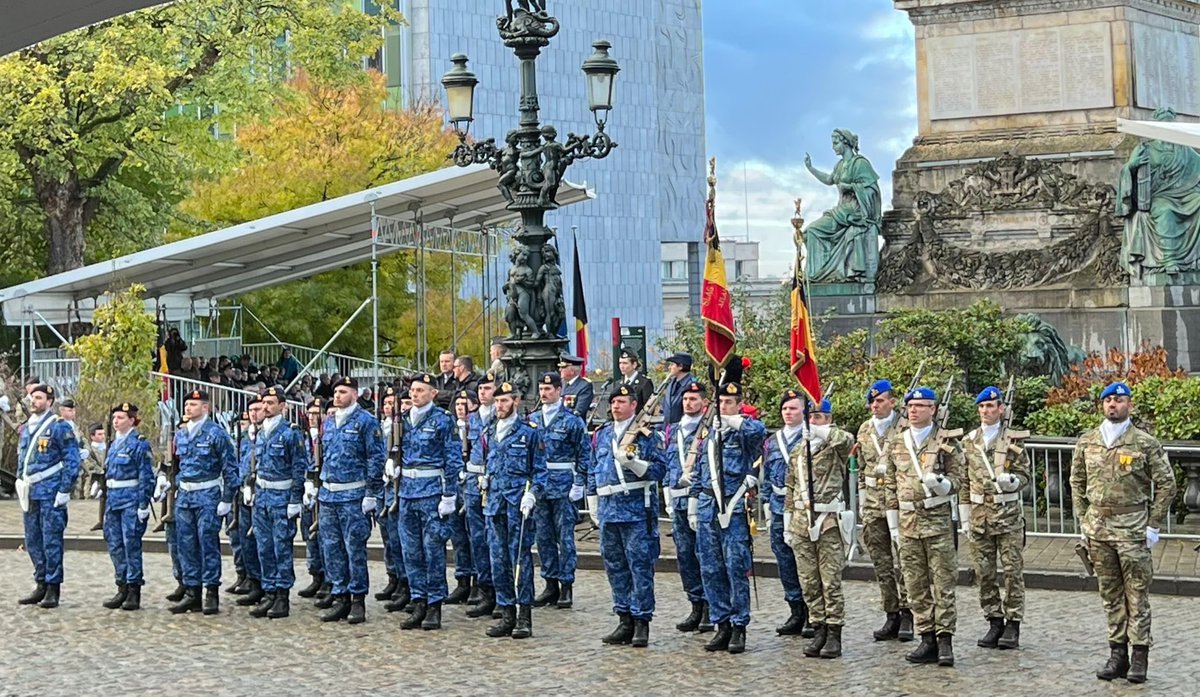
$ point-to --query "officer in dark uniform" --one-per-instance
(679, 366)
(577, 391)
(632, 377)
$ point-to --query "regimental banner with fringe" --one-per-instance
(803, 351)
(716, 308)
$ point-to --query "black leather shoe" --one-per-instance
(310, 591)
(486, 604)
(417, 617)
(476, 594)
(890, 629)
(235, 588)
(692, 621)
(358, 609)
(461, 592)
(264, 605)
(1118, 663)
(706, 624)
(254, 594)
(400, 598)
(190, 602)
(51, 600)
(720, 640)
(117, 600)
(212, 600)
(641, 634)
(995, 629)
(833, 641)
(433, 617)
(945, 649)
(36, 596)
(327, 602)
(133, 600)
(1138, 664)
(906, 626)
(926, 651)
(566, 596)
(508, 622)
(820, 636)
(339, 609)
(623, 634)
(282, 607)
(1011, 639)
(389, 589)
(177, 594)
(795, 621)
(548, 596)
(737, 639)
(523, 629)
(325, 589)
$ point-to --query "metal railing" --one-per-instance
(227, 402)
(60, 373)
(268, 354)
(219, 346)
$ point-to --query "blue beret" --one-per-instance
(826, 407)
(926, 393)
(877, 388)
(989, 394)
(1117, 389)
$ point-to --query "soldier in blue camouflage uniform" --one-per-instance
(723, 541)
(129, 474)
(279, 485)
(351, 476)
(208, 477)
(396, 592)
(428, 497)
(237, 544)
(622, 489)
(568, 452)
(515, 480)
(312, 540)
(776, 456)
(248, 457)
(681, 453)
(475, 471)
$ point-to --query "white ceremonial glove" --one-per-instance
(880, 470)
(930, 480)
(1008, 482)
(5, 405)
(61, 499)
(368, 504)
(224, 509)
(751, 481)
(941, 486)
(636, 466)
(389, 470)
(527, 502)
(310, 494)
(161, 487)
(446, 506)
(95, 490)
(964, 517)
(788, 538)
(593, 509)
(693, 511)
(84, 454)
(248, 496)
(733, 422)
(685, 482)
(893, 521)
(143, 514)
(1151, 537)
(462, 476)
(293, 510)
(576, 492)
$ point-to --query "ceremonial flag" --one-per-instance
(803, 351)
(579, 310)
(716, 309)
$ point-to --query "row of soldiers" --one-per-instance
(494, 482)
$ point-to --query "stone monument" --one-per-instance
(1010, 190)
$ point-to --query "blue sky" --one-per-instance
(780, 75)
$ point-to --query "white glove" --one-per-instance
(685, 482)
(368, 504)
(61, 499)
(788, 538)
(446, 506)
(528, 500)
(1008, 482)
(389, 470)
(95, 490)
(310, 494)
(694, 513)
(576, 492)
(930, 480)
(880, 470)
(593, 509)
(161, 487)
(1151, 537)
(964, 517)
(224, 509)
(5, 405)
(893, 521)
(624, 456)
(84, 454)
(734, 422)
(751, 481)
(248, 496)
(462, 476)
(293, 510)
(143, 514)
(940, 486)
(636, 466)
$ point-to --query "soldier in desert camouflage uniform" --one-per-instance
(820, 554)
(924, 467)
(990, 509)
(1112, 473)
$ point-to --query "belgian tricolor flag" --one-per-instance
(579, 310)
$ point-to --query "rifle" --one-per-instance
(943, 420)
(396, 455)
(852, 486)
(99, 475)
(314, 474)
(641, 422)
(251, 478)
(170, 469)
(916, 379)
(464, 436)
(1081, 550)
(235, 519)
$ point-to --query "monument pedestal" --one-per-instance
(843, 307)
(527, 359)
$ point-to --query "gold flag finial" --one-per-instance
(798, 225)
(712, 180)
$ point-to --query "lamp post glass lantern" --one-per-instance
(531, 163)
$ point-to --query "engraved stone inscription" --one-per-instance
(1166, 68)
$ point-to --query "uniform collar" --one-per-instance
(549, 411)
(417, 413)
(920, 434)
(340, 415)
(1111, 432)
(690, 422)
(194, 426)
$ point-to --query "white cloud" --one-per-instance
(888, 25)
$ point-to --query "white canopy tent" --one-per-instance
(1171, 131)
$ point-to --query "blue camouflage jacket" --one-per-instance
(350, 453)
(203, 457)
(775, 467)
(432, 456)
(740, 451)
(55, 444)
(512, 463)
(605, 476)
(568, 450)
(282, 457)
(128, 459)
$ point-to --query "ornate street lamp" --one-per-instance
(531, 163)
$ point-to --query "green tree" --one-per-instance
(101, 129)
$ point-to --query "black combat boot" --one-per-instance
(833, 641)
(282, 607)
(433, 617)
(190, 602)
(890, 628)
(641, 634)
(339, 609)
(177, 594)
(1139, 664)
(496, 614)
(487, 603)
(548, 596)
(508, 622)
(264, 605)
(926, 651)
(623, 634)
(945, 649)
(461, 592)
(238, 587)
(117, 600)
(523, 629)
(133, 600)
(1011, 639)
(36, 596)
(1118, 662)
(327, 602)
(358, 609)
(417, 617)
(51, 599)
(795, 621)
(995, 629)
(720, 640)
(325, 590)
(706, 624)
(212, 600)
(692, 621)
(310, 591)
(400, 598)
(476, 594)
(566, 596)
(906, 625)
(254, 594)
(737, 639)
(820, 636)
(389, 589)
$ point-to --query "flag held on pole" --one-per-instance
(803, 350)
(579, 310)
(716, 308)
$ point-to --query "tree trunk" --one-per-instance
(64, 205)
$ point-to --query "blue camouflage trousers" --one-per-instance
(461, 539)
(509, 547)
(423, 535)
(198, 539)
(44, 525)
(785, 559)
(249, 548)
(274, 533)
(687, 561)
(393, 553)
(344, 532)
(173, 550)
(556, 538)
(481, 554)
(630, 551)
(123, 535)
(312, 543)
(724, 567)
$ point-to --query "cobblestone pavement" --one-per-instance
(83, 649)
